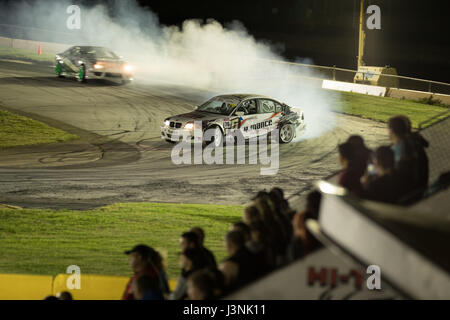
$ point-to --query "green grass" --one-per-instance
(34, 241)
(17, 130)
(382, 108)
(27, 55)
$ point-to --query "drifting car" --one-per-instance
(244, 114)
(87, 62)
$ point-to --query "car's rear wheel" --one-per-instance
(81, 76)
(287, 133)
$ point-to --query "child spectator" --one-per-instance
(387, 186)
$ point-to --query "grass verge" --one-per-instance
(17, 130)
(382, 108)
(35, 241)
(26, 55)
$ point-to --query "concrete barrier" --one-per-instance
(93, 287)
(354, 87)
(37, 287)
(417, 95)
(25, 287)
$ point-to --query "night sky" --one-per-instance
(414, 37)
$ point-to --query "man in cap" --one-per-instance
(140, 258)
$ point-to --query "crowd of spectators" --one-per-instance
(271, 234)
(396, 174)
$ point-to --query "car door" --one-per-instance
(70, 60)
(268, 117)
(246, 121)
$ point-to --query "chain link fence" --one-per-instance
(438, 135)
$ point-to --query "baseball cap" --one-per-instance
(142, 249)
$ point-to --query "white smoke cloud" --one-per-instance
(204, 55)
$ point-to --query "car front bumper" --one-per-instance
(176, 135)
(94, 74)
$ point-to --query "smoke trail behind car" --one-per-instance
(202, 54)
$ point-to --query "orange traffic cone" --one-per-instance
(39, 49)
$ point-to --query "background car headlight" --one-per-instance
(166, 123)
(128, 68)
(98, 66)
(189, 126)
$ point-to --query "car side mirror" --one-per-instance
(240, 113)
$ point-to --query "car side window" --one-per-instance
(250, 106)
(75, 52)
(278, 107)
(266, 106)
(242, 108)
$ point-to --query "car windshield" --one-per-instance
(219, 105)
(98, 52)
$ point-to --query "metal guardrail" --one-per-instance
(347, 75)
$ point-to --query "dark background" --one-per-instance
(414, 37)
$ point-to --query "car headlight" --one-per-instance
(166, 123)
(98, 66)
(128, 68)
(189, 126)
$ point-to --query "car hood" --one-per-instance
(197, 116)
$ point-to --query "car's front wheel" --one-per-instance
(217, 138)
(81, 76)
(287, 132)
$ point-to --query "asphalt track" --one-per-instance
(120, 156)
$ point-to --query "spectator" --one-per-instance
(387, 186)
(239, 269)
(251, 215)
(277, 237)
(253, 242)
(303, 242)
(350, 175)
(141, 258)
(146, 288)
(411, 161)
(65, 295)
(362, 153)
(209, 256)
(190, 261)
(259, 245)
(189, 240)
(281, 204)
(203, 285)
(244, 229)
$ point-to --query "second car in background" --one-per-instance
(88, 62)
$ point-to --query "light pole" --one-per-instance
(362, 37)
